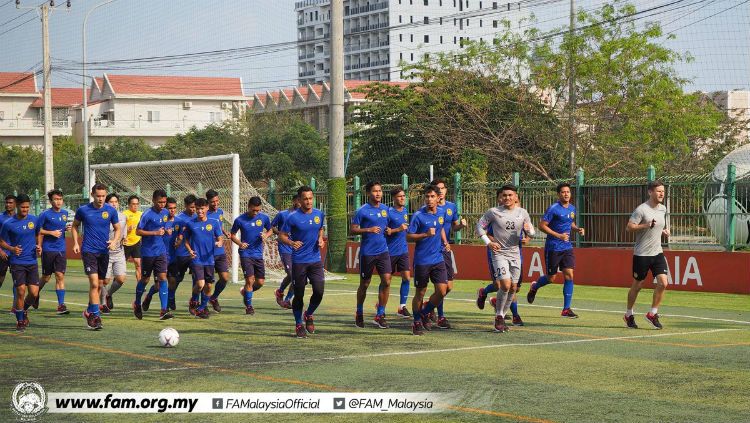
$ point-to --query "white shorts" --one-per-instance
(505, 268)
(117, 266)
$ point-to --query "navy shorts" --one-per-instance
(253, 267)
(559, 260)
(53, 262)
(95, 263)
(286, 260)
(424, 273)
(304, 272)
(3, 268)
(221, 264)
(381, 262)
(178, 268)
(656, 264)
(133, 251)
(448, 259)
(155, 264)
(400, 263)
(25, 274)
(202, 272)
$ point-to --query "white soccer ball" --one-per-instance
(169, 337)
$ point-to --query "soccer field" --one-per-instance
(592, 369)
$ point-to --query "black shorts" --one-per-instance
(304, 272)
(656, 264)
(133, 251)
(221, 263)
(559, 260)
(3, 267)
(25, 274)
(448, 259)
(381, 262)
(156, 264)
(53, 262)
(95, 263)
(202, 273)
(400, 263)
(424, 273)
(253, 267)
(178, 268)
(286, 260)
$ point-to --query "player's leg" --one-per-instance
(383, 266)
(91, 265)
(552, 262)
(640, 270)
(401, 264)
(483, 292)
(203, 289)
(439, 277)
(135, 253)
(19, 283)
(567, 264)
(116, 272)
(516, 318)
(147, 267)
(659, 271)
(299, 278)
(366, 265)
(316, 276)
(442, 322)
(421, 278)
(221, 266)
(160, 270)
(198, 282)
(47, 272)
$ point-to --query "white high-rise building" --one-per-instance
(381, 34)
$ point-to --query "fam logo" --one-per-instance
(176, 227)
(317, 220)
(221, 217)
(572, 215)
(164, 218)
(449, 212)
(105, 215)
(383, 213)
(209, 227)
(64, 217)
(258, 222)
(440, 220)
(406, 217)
(28, 401)
(31, 225)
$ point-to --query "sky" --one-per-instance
(716, 33)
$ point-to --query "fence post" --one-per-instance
(579, 202)
(651, 173)
(15, 193)
(516, 179)
(168, 188)
(405, 186)
(357, 199)
(731, 193)
(458, 197)
(37, 206)
(314, 187)
(85, 195)
(138, 190)
(199, 188)
(272, 193)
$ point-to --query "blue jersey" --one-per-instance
(152, 220)
(167, 239)
(252, 228)
(3, 217)
(397, 242)
(559, 219)
(450, 214)
(96, 224)
(278, 223)
(21, 233)
(368, 216)
(427, 250)
(202, 236)
(305, 227)
(217, 215)
(51, 220)
(179, 224)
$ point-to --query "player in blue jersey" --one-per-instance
(426, 230)
(395, 237)
(117, 266)
(20, 233)
(10, 211)
(201, 236)
(285, 254)
(179, 256)
(96, 218)
(371, 221)
(221, 262)
(171, 208)
(453, 223)
(51, 226)
(303, 231)
(255, 227)
(558, 222)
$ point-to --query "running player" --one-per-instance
(96, 218)
(117, 263)
(558, 222)
(285, 254)
(201, 237)
(221, 263)
(133, 240)
(255, 227)
(507, 221)
(303, 231)
(426, 229)
(395, 236)
(20, 233)
(179, 255)
(10, 211)
(169, 247)
(370, 221)
(51, 227)
(649, 222)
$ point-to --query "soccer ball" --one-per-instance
(169, 337)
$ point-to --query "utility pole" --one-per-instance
(572, 90)
(337, 218)
(49, 173)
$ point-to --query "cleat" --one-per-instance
(104, 309)
(137, 311)
(508, 317)
(300, 331)
(62, 309)
(654, 320)
(12, 311)
(192, 305)
(309, 325)
(287, 305)
(146, 303)
(517, 321)
(109, 302)
(90, 323)
(442, 323)
(279, 294)
(249, 310)
(20, 326)
(569, 314)
(26, 318)
(481, 298)
(404, 312)
(359, 320)
(426, 323)
(431, 315)
(630, 321)
(531, 295)
(380, 322)
(215, 304)
(200, 314)
(417, 329)
(500, 324)
(97, 323)
(165, 315)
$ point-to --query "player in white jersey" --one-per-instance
(117, 262)
(649, 223)
(507, 221)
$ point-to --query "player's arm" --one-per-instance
(581, 231)
(237, 241)
(113, 243)
(357, 230)
(634, 226)
(284, 238)
(482, 224)
(142, 232)
(459, 223)
(544, 227)
(74, 231)
(414, 236)
(6, 246)
(528, 227)
(444, 240)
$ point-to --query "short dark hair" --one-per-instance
(22, 198)
(171, 200)
(562, 185)
(189, 199)
(652, 185)
(430, 188)
(506, 187)
(210, 194)
(303, 188)
(98, 187)
(396, 191)
(201, 202)
(133, 197)
(10, 197)
(254, 201)
(110, 196)
(370, 185)
(437, 181)
(159, 193)
(54, 192)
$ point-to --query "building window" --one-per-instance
(401, 37)
(400, 20)
(467, 21)
(467, 3)
(480, 23)
(411, 37)
(412, 59)
(454, 40)
(153, 116)
(401, 56)
(441, 20)
(214, 116)
(494, 24)
(411, 19)
(441, 2)
(426, 2)
(441, 39)
(426, 38)
(316, 15)
(480, 4)
(494, 5)
(426, 20)
(454, 21)
(454, 3)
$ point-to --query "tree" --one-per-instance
(68, 157)
(22, 169)
(123, 150)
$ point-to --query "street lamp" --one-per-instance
(85, 113)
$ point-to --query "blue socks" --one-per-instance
(360, 308)
(15, 296)
(381, 310)
(219, 287)
(427, 309)
(514, 308)
(60, 296)
(93, 309)
(195, 297)
(19, 315)
(404, 292)
(204, 301)
(567, 293)
(440, 309)
(490, 288)
(297, 316)
(289, 294)
(139, 288)
(163, 294)
(248, 297)
(544, 280)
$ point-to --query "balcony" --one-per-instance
(358, 47)
(306, 73)
(365, 9)
(366, 65)
(308, 3)
(306, 56)
(143, 128)
(370, 27)
(33, 127)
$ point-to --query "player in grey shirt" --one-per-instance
(117, 261)
(649, 222)
(507, 221)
